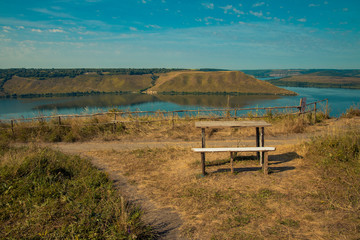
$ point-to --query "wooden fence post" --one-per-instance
(114, 126)
(173, 120)
(12, 128)
(302, 107)
(59, 121)
(314, 112)
(327, 108)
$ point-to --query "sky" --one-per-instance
(226, 34)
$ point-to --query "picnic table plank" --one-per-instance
(235, 149)
(230, 124)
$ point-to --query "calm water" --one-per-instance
(339, 101)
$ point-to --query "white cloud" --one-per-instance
(345, 9)
(133, 28)
(258, 4)
(6, 29)
(257, 14)
(153, 26)
(208, 5)
(227, 8)
(52, 13)
(208, 20)
(237, 11)
(56, 30)
(302, 20)
(21, 27)
(36, 30)
(314, 5)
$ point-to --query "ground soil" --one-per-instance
(166, 219)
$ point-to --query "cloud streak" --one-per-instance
(208, 5)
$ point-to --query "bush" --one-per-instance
(353, 111)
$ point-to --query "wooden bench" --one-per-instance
(234, 150)
(260, 143)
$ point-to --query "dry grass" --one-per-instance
(247, 205)
(220, 81)
(156, 127)
(81, 83)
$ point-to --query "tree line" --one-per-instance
(56, 72)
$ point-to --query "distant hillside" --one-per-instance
(27, 83)
(268, 73)
(81, 83)
(214, 82)
(325, 78)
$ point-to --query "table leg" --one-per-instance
(232, 157)
(203, 154)
(258, 143)
(265, 166)
(262, 133)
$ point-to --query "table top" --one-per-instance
(230, 124)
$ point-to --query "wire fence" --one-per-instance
(138, 117)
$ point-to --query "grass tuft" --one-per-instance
(47, 194)
(353, 111)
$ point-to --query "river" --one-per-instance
(339, 101)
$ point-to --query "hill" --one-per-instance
(30, 83)
(325, 78)
(199, 82)
(82, 83)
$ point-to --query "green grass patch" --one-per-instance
(336, 159)
(47, 194)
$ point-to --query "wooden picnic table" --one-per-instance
(260, 143)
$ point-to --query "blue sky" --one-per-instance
(227, 34)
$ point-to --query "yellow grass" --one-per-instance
(221, 81)
(245, 205)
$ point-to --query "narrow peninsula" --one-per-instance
(50, 82)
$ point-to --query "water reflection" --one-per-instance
(217, 100)
(339, 101)
(100, 101)
(125, 100)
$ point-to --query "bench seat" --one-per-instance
(237, 149)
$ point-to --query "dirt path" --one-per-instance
(165, 220)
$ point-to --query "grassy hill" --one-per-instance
(214, 82)
(180, 82)
(81, 83)
(325, 78)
